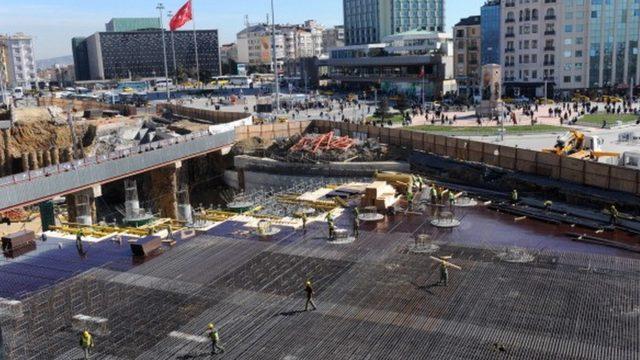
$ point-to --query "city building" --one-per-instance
(466, 55)
(133, 24)
(490, 32)
(332, 37)
(4, 63)
(369, 21)
(292, 42)
(560, 47)
(403, 63)
(19, 62)
(139, 54)
(228, 52)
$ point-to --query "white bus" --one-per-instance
(163, 83)
(240, 80)
(18, 93)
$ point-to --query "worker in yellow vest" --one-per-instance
(86, 343)
(615, 214)
(213, 335)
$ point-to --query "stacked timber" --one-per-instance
(400, 181)
(379, 194)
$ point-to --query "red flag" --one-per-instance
(183, 16)
(422, 73)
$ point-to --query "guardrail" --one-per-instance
(94, 160)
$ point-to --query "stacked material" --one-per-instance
(379, 194)
(400, 181)
(314, 143)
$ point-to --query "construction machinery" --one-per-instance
(577, 145)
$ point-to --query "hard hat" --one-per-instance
(308, 282)
(210, 326)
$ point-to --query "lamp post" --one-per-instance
(160, 8)
(275, 59)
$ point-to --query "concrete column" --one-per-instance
(46, 158)
(40, 157)
(33, 160)
(7, 154)
(25, 162)
(81, 206)
(164, 188)
(55, 156)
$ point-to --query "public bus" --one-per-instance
(220, 81)
(240, 80)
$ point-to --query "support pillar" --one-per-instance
(81, 206)
(164, 189)
(25, 162)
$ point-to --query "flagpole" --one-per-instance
(160, 7)
(173, 50)
(195, 41)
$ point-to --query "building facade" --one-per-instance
(292, 42)
(369, 21)
(403, 63)
(228, 52)
(490, 32)
(133, 24)
(19, 64)
(562, 46)
(332, 37)
(467, 37)
(120, 55)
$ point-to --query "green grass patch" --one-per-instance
(609, 118)
(487, 130)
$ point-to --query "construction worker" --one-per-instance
(410, 199)
(356, 227)
(86, 343)
(331, 225)
(444, 274)
(452, 198)
(433, 194)
(547, 205)
(304, 221)
(309, 290)
(213, 335)
(79, 246)
(613, 211)
(356, 212)
(514, 197)
(170, 232)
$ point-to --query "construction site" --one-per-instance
(416, 245)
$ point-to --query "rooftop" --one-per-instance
(469, 21)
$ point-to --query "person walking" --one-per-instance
(331, 226)
(214, 337)
(614, 215)
(309, 290)
(86, 343)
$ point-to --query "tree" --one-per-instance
(401, 103)
(382, 111)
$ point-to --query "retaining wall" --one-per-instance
(81, 105)
(582, 172)
(209, 116)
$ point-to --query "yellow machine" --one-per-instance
(577, 145)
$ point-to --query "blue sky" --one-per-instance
(54, 22)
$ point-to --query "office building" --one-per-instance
(139, 54)
(490, 32)
(466, 54)
(133, 24)
(19, 65)
(396, 65)
(369, 21)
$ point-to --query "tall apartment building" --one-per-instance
(19, 64)
(292, 42)
(369, 21)
(466, 54)
(332, 37)
(490, 29)
(569, 45)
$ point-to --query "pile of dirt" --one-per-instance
(251, 146)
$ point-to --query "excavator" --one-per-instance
(577, 145)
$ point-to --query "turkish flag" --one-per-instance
(183, 16)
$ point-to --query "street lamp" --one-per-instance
(160, 8)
